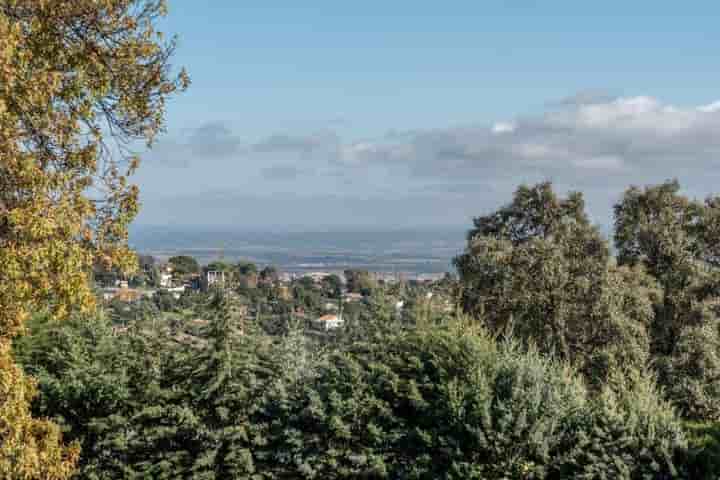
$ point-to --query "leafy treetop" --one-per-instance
(80, 82)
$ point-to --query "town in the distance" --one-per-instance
(317, 301)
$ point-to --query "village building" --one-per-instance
(317, 277)
(352, 297)
(165, 280)
(328, 322)
(193, 282)
(176, 291)
(213, 278)
(128, 296)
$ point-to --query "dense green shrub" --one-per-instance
(425, 404)
(441, 406)
(704, 451)
(693, 372)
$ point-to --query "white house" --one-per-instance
(329, 322)
(213, 278)
(352, 297)
(165, 280)
(176, 291)
(317, 277)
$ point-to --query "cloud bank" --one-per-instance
(590, 141)
(583, 135)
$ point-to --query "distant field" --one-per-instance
(411, 252)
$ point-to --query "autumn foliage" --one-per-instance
(81, 81)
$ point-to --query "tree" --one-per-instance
(269, 276)
(219, 266)
(75, 363)
(184, 265)
(419, 404)
(245, 268)
(307, 295)
(165, 301)
(146, 262)
(538, 269)
(359, 281)
(332, 286)
(677, 239)
(535, 212)
(73, 75)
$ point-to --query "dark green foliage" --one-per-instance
(371, 320)
(206, 428)
(219, 266)
(125, 313)
(190, 299)
(438, 406)
(229, 386)
(536, 268)
(677, 241)
(269, 276)
(422, 403)
(332, 286)
(307, 295)
(184, 265)
(245, 267)
(165, 301)
(359, 281)
(633, 434)
(93, 383)
(704, 451)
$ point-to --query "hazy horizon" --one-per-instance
(410, 251)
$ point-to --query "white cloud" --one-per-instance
(637, 136)
(590, 142)
(503, 127)
(710, 108)
(632, 135)
(609, 162)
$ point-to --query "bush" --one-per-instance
(435, 405)
(704, 451)
(415, 404)
(631, 432)
(693, 373)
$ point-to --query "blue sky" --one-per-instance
(392, 113)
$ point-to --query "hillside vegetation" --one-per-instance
(548, 357)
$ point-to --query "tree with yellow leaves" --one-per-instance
(80, 82)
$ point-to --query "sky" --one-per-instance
(393, 115)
